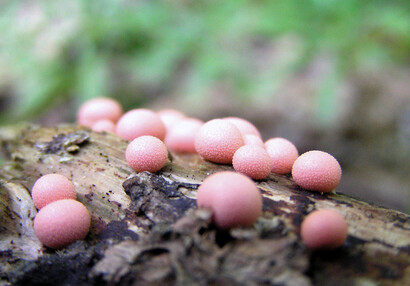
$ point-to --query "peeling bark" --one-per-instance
(146, 229)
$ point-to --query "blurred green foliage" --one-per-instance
(51, 51)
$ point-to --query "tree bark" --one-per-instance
(147, 230)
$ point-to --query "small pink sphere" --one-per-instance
(234, 199)
(244, 126)
(317, 171)
(170, 117)
(61, 223)
(104, 125)
(217, 141)
(283, 154)
(324, 229)
(146, 153)
(97, 109)
(140, 122)
(252, 161)
(251, 139)
(181, 136)
(50, 188)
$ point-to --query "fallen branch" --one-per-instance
(146, 229)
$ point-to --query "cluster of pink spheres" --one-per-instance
(233, 197)
(61, 219)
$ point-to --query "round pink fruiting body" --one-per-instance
(324, 229)
(250, 139)
(97, 109)
(181, 137)
(146, 153)
(217, 141)
(104, 125)
(244, 126)
(50, 188)
(317, 171)
(170, 117)
(61, 223)
(283, 154)
(252, 161)
(234, 199)
(140, 122)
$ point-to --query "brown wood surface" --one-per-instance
(146, 229)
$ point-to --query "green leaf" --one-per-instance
(91, 76)
(326, 98)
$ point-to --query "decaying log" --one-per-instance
(146, 229)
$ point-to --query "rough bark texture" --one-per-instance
(146, 229)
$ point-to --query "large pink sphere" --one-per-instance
(250, 139)
(324, 229)
(61, 223)
(244, 126)
(50, 188)
(170, 117)
(217, 141)
(234, 199)
(317, 171)
(181, 137)
(140, 122)
(104, 125)
(146, 153)
(283, 154)
(97, 109)
(252, 161)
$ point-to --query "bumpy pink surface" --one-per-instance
(170, 117)
(244, 126)
(251, 139)
(50, 188)
(317, 171)
(103, 125)
(217, 140)
(61, 223)
(181, 136)
(97, 109)
(283, 154)
(324, 229)
(146, 153)
(234, 199)
(252, 161)
(140, 122)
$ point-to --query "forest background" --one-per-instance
(325, 74)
